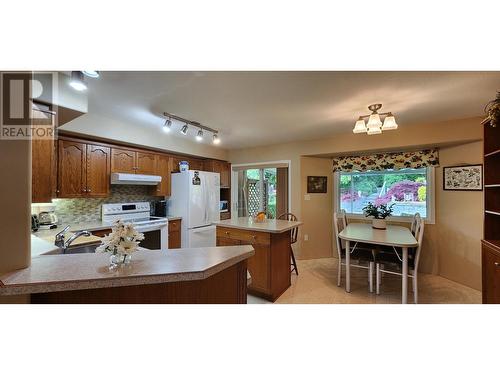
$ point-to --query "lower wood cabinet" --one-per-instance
(174, 234)
(270, 266)
(491, 271)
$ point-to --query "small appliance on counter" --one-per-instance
(47, 220)
(159, 208)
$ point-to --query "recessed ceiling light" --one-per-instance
(184, 129)
(215, 139)
(77, 81)
(91, 73)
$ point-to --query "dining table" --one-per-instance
(392, 236)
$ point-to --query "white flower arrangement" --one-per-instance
(123, 239)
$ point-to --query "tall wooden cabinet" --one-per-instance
(43, 179)
(83, 170)
(163, 169)
(491, 242)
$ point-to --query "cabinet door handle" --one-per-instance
(227, 233)
(88, 190)
(84, 190)
(497, 264)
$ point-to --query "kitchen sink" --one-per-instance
(82, 249)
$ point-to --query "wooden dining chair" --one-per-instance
(359, 252)
(294, 233)
(395, 259)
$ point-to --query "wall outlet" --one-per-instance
(307, 197)
(306, 237)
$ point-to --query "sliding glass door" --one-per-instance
(262, 190)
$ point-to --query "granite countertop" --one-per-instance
(248, 223)
(51, 273)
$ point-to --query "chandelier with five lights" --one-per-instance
(375, 125)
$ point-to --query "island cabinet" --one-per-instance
(270, 266)
(83, 170)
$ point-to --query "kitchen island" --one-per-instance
(201, 275)
(271, 239)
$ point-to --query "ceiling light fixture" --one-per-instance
(77, 81)
(185, 127)
(167, 125)
(375, 125)
(199, 136)
(91, 73)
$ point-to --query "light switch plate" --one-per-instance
(306, 237)
(307, 197)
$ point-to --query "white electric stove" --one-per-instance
(155, 229)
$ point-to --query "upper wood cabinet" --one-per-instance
(43, 178)
(122, 160)
(146, 163)
(221, 167)
(194, 164)
(83, 170)
(163, 169)
(127, 161)
(98, 170)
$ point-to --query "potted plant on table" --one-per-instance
(378, 214)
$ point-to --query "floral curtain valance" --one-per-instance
(377, 162)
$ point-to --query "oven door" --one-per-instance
(155, 236)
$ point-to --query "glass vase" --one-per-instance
(117, 260)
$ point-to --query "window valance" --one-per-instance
(377, 162)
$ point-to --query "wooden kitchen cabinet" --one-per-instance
(98, 170)
(146, 163)
(122, 160)
(134, 162)
(174, 234)
(270, 266)
(194, 164)
(83, 170)
(163, 169)
(72, 165)
(491, 271)
(221, 167)
(43, 175)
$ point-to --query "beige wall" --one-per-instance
(444, 252)
(152, 135)
(316, 212)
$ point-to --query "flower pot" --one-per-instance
(379, 224)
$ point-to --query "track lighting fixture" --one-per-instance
(184, 130)
(77, 81)
(91, 73)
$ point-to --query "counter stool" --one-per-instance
(294, 233)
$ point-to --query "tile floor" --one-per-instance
(317, 283)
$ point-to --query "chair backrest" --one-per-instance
(339, 223)
(415, 222)
(291, 217)
(419, 235)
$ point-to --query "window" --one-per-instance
(411, 191)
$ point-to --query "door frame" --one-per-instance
(262, 164)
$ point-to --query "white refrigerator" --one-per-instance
(195, 198)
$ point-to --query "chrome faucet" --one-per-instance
(59, 241)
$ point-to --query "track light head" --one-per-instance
(199, 136)
(215, 139)
(184, 129)
(167, 125)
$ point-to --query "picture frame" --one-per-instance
(463, 177)
(317, 184)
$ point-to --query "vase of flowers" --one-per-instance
(123, 240)
(378, 214)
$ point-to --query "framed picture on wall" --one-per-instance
(316, 184)
(463, 177)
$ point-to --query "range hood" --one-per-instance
(134, 179)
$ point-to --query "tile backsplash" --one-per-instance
(79, 210)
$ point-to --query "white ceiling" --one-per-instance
(259, 108)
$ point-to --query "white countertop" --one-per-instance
(248, 223)
(51, 273)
